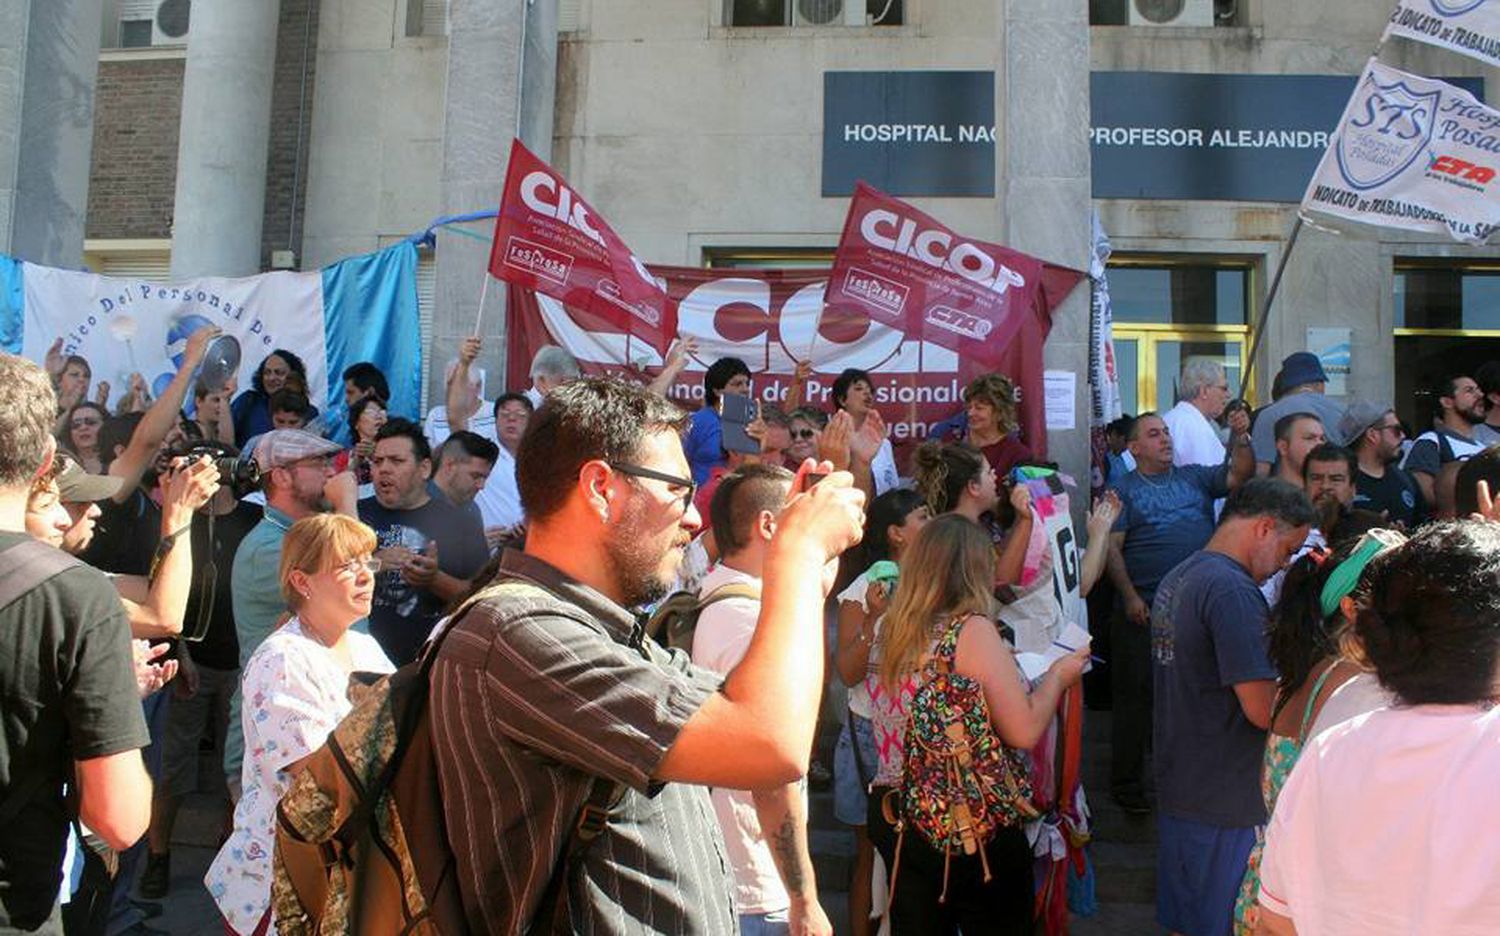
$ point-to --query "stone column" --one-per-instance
(225, 131)
(494, 89)
(1042, 166)
(49, 59)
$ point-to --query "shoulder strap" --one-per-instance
(592, 818)
(1312, 699)
(946, 650)
(28, 564)
(729, 590)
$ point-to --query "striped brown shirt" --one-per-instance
(541, 688)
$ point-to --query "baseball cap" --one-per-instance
(283, 446)
(1301, 367)
(1361, 415)
(77, 486)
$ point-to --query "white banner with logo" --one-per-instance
(125, 326)
(1412, 153)
(1468, 27)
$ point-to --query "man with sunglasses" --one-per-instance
(553, 713)
(1380, 483)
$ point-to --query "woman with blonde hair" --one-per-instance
(990, 405)
(940, 619)
(296, 690)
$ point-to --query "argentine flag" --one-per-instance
(360, 309)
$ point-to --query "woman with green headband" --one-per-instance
(1303, 644)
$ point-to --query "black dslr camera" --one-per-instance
(239, 473)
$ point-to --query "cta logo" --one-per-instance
(960, 323)
(1456, 7)
(531, 257)
(1460, 169)
(889, 231)
(550, 198)
(875, 291)
(1392, 126)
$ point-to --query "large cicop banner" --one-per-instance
(770, 320)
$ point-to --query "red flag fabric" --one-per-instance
(908, 271)
(550, 240)
(771, 319)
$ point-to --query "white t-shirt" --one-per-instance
(437, 430)
(295, 693)
(1195, 441)
(719, 643)
(1386, 826)
(1271, 587)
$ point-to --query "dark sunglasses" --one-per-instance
(804, 433)
(636, 471)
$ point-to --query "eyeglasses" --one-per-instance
(1392, 427)
(804, 433)
(354, 566)
(636, 471)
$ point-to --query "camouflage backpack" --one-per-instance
(960, 783)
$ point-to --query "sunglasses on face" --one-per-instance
(804, 433)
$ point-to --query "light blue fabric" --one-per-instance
(370, 314)
(12, 301)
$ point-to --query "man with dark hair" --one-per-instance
(1117, 444)
(289, 409)
(1214, 688)
(365, 380)
(464, 463)
(547, 689)
(1303, 383)
(765, 831)
(1436, 455)
(1375, 433)
(1296, 435)
(1166, 514)
(428, 548)
(503, 423)
(1488, 378)
(704, 441)
(72, 707)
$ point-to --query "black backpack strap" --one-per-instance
(592, 818)
(26, 565)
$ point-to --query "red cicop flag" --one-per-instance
(550, 240)
(906, 270)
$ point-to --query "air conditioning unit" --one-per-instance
(828, 13)
(169, 25)
(1177, 13)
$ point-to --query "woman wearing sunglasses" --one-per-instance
(296, 690)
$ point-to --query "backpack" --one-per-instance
(361, 842)
(675, 620)
(960, 784)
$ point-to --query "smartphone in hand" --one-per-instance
(738, 412)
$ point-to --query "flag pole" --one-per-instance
(1258, 333)
(483, 291)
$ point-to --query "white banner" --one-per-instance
(1412, 153)
(1468, 27)
(124, 326)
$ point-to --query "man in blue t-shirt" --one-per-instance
(1215, 686)
(428, 548)
(1166, 514)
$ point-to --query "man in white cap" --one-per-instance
(297, 476)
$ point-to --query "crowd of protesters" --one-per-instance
(642, 610)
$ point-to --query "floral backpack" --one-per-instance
(960, 783)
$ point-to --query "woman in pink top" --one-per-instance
(1386, 824)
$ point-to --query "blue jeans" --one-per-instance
(774, 923)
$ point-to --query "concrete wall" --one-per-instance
(1330, 280)
(375, 148)
(134, 172)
